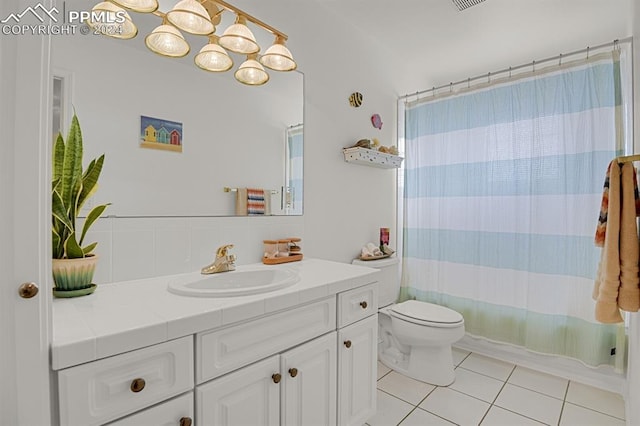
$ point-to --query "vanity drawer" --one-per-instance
(223, 350)
(109, 388)
(176, 412)
(357, 303)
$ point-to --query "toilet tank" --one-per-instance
(389, 283)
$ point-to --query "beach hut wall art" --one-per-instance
(157, 133)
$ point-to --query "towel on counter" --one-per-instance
(616, 284)
(252, 202)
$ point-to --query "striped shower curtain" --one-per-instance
(294, 169)
(502, 189)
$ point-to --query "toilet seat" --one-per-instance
(426, 314)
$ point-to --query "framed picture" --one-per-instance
(157, 133)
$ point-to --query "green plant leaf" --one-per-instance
(88, 249)
(57, 248)
(70, 188)
(93, 215)
(72, 248)
(58, 158)
(72, 166)
(59, 212)
(90, 180)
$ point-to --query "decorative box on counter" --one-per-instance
(371, 157)
(281, 251)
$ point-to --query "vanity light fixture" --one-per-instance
(239, 38)
(115, 22)
(251, 72)
(142, 6)
(200, 17)
(192, 17)
(166, 40)
(213, 57)
(278, 57)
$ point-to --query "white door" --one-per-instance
(24, 225)
(308, 395)
(249, 396)
(357, 366)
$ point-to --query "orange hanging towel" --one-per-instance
(616, 284)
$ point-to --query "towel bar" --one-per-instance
(628, 158)
(227, 189)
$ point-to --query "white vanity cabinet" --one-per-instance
(176, 412)
(109, 388)
(328, 380)
(248, 396)
(303, 357)
(308, 394)
(297, 387)
(357, 355)
(357, 371)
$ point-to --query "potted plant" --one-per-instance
(73, 264)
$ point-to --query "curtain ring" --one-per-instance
(616, 45)
(451, 87)
(509, 72)
(533, 66)
(560, 60)
(468, 82)
(489, 77)
(433, 91)
(587, 52)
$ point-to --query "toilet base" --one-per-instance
(433, 365)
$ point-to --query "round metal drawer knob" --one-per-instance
(276, 378)
(347, 343)
(293, 372)
(137, 385)
(28, 290)
(364, 305)
(186, 421)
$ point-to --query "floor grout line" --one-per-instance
(493, 402)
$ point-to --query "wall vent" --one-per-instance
(464, 4)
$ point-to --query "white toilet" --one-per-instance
(414, 338)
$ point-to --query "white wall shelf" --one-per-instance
(371, 157)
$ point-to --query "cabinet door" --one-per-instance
(357, 357)
(176, 412)
(309, 376)
(249, 396)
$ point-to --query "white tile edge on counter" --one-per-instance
(129, 315)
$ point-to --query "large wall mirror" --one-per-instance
(233, 136)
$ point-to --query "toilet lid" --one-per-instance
(427, 312)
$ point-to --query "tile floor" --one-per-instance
(489, 392)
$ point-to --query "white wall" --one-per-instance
(7, 283)
(345, 204)
(633, 372)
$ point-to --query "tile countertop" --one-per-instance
(129, 315)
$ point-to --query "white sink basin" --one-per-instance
(245, 280)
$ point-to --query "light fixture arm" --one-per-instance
(256, 21)
(224, 5)
(200, 17)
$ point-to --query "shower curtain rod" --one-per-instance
(559, 57)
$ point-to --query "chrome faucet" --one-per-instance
(222, 263)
